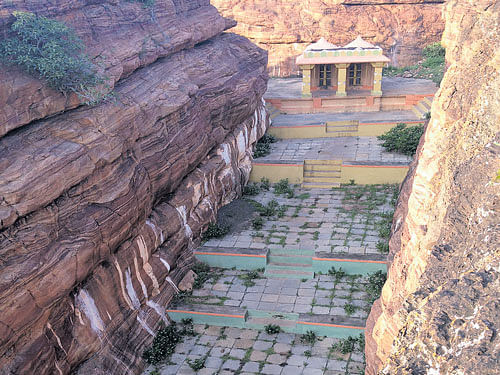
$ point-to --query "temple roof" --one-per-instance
(357, 51)
(320, 45)
(360, 43)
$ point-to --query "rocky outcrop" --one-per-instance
(120, 36)
(439, 311)
(284, 28)
(101, 206)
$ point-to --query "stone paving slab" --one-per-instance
(340, 221)
(360, 149)
(321, 118)
(343, 299)
(279, 354)
(290, 88)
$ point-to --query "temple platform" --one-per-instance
(398, 94)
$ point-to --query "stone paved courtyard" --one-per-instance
(341, 148)
(339, 220)
(228, 351)
(323, 295)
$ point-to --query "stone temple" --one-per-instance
(353, 69)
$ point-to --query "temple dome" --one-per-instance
(320, 45)
(360, 43)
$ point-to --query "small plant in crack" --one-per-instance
(309, 337)
(272, 329)
(283, 188)
(215, 230)
(349, 309)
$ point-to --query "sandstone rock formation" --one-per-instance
(439, 312)
(101, 206)
(284, 28)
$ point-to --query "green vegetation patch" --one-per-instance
(402, 139)
(431, 67)
(349, 344)
(376, 281)
(215, 230)
(50, 50)
(166, 340)
(263, 146)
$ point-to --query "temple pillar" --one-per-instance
(377, 78)
(306, 80)
(342, 76)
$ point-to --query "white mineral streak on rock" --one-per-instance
(241, 141)
(139, 278)
(58, 368)
(143, 251)
(159, 310)
(125, 296)
(144, 325)
(171, 282)
(166, 264)
(157, 231)
(183, 215)
(225, 152)
(130, 290)
(86, 304)
(57, 338)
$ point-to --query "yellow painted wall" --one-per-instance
(374, 130)
(372, 175)
(298, 132)
(276, 172)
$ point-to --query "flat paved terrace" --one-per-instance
(291, 88)
(347, 149)
(362, 117)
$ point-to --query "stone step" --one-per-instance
(288, 274)
(290, 259)
(326, 179)
(335, 134)
(289, 266)
(422, 107)
(320, 185)
(322, 168)
(323, 162)
(291, 252)
(418, 112)
(333, 174)
(428, 101)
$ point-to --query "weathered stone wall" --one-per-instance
(439, 312)
(284, 28)
(101, 206)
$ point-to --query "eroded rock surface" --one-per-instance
(284, 28)
(100, 207)
(439, 312)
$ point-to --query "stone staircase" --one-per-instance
(321, 174)
(294, 264)
(422, 108)
(272, 110)
(342, 128)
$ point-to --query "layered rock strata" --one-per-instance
(285, 28)
(120, 37)
(101, 206)
(439, 312)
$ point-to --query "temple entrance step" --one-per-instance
(342, 128)
(288, 273)
(422, 108)
(272, 110)
(322, 174)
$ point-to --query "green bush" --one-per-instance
(283, 187)
(50, 50)
(402, 139)
(263, 146)
(257, 223)
(251, 189)
(349, 344)
(166, 340)
(376, 281)
(272, 329)
(434, 50)
(215, 230)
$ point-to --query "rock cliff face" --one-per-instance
(101, 206)
(284, 28)
(439, 312)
